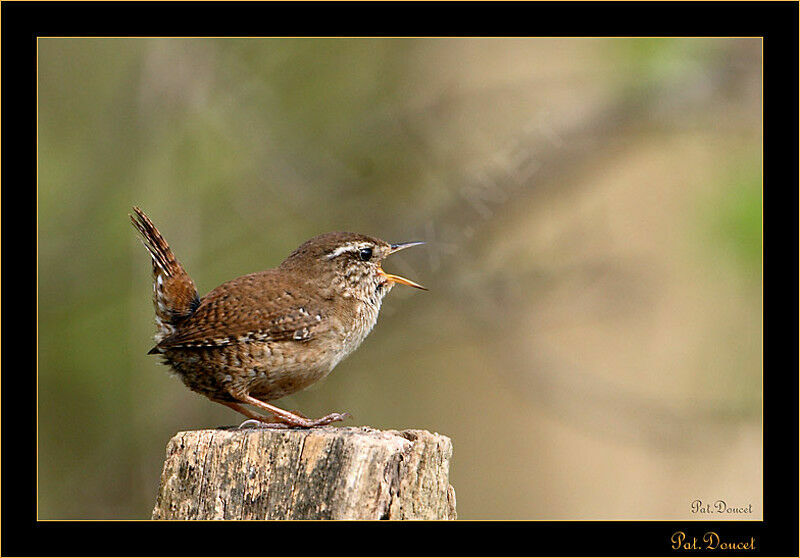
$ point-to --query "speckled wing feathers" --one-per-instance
(254, 307)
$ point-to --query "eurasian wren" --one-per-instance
(265, 335)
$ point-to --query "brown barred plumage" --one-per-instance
(174, 294)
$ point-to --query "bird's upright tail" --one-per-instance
(174, 294)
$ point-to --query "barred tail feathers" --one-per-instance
(174, 294)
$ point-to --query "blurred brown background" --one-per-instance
(592, 338)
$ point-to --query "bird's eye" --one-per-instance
(365, 254)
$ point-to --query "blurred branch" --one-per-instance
(550, 149)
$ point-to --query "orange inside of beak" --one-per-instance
(402, 280)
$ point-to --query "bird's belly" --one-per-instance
(267, 370)
(284, 370)
(264, 370)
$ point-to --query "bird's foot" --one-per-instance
(256, 423)
(333, 417)
(298, 422)
(290, 419)
(302, 422)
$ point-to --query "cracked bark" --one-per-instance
(321, 473)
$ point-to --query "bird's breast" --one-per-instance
(353, 334)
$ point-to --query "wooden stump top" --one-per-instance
(320, 473)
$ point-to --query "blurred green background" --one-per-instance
(592, 338)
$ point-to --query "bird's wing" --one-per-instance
(256, 307)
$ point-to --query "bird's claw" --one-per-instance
(333, 417)
(303, 422)
(254, 423)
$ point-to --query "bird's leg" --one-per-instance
(285, 417)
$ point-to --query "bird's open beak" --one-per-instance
(397, 278)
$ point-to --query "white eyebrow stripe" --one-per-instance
(347, 248)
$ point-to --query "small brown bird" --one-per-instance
(265, 335)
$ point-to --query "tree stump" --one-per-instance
(319, 473)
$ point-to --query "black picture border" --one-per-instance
(23, 22)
